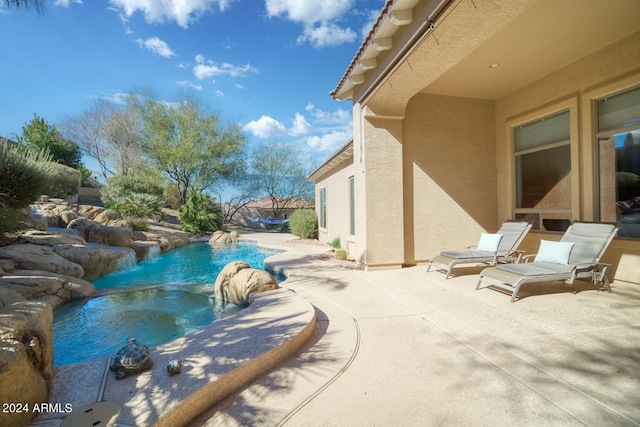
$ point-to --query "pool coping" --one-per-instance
(218, 360)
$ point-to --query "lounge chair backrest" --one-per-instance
(513, 232)
(591, 240)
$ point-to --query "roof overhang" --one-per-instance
(342, 156)
(454, 53)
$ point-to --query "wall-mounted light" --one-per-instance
(494, 65)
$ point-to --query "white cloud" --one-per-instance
(300, 126)
(327, 34)
(308, 11)
(66, 3)
(220, 94)
(119, 98)
(182, 12)
(339, 117)
(207, 68)
(265, 127)
(329, 142)
(190, 85)
(157, 46)
(311, 12)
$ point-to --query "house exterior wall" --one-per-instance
(450, 173)
(337, 221)
(433, 155)
(576, 86)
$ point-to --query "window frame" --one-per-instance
(599, 136)
(322, 203)
(568, 104)
(352, 205)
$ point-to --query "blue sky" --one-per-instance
(266, 64)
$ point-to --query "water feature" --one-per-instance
(155, 301)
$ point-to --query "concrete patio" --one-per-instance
(409, 348)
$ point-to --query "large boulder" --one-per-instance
(26, 358)
(222, 238)
(238, 281)
(28, 256)
(96, 233)
(96, 260)
(167, 240)
(50, 239)
(43, 286)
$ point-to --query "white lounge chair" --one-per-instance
(577, 255)
(492, 248)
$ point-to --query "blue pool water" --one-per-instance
(197, 263)
(155, 301)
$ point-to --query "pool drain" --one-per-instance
(99, 414)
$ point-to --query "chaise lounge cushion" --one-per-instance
(465, 254)
(489, 242)
(554, 252)
(535, 268)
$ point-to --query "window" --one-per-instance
(352, 207)
(618, 146)
(323, 208)
(542, 151)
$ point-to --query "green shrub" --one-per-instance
(137, 205)
(304, 223)
(335, 243)
(200, 214)
(123, 186)
(63, 180)
(24, 175)
(340, 254)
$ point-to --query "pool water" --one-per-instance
(197, 262)
(156, 301)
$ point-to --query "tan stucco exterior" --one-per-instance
(433, 153)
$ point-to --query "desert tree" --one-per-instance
(279, 171)
(189, 143)
(39, 135)
(110, 134)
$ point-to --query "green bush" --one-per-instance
(133, 196)
(200, 214)
(24, 175)
(137, 205)
(304, 223)
(335, 243)
(63, 180)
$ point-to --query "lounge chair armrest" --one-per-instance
(468, 248)
(527, 258)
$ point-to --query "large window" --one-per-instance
(352, 207)
(323, 208)
(619, 161)
(542, 152)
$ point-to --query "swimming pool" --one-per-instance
(155, 301)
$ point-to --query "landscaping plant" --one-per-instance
(304, 223)
(200, 214)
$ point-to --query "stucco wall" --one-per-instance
(450, 173)
(606, 71)
(383, 193)
(337, 187)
